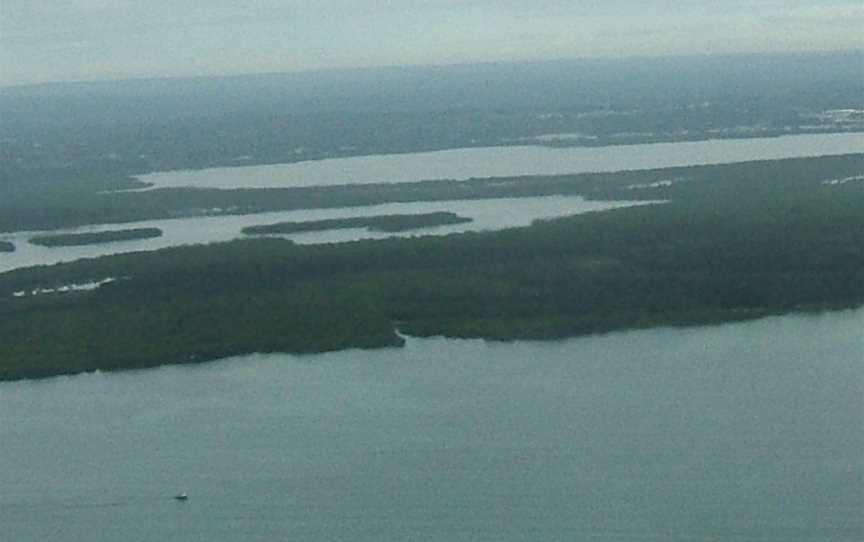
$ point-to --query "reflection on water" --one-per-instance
(510, 161)
(741, 432)
(487, 214)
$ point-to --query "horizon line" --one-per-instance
(380, 67)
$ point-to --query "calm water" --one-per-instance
(452, 164)
(740, 432)
(507, 161)
(491, 214)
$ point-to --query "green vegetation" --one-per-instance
(75, 239)
(6, 246)
(733, 242)
(62, 132)
(383, 223)
(49, 212)
(66, 145)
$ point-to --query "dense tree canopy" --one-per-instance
(93, 238)
(732, 242)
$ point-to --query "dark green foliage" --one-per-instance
(384, 223)
(55, 198)
(129, 328)
(93, 207)
(6, 246)
(75, 239)
(745, 241)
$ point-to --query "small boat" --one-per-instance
(181, 497)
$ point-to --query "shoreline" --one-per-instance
(731, 243)
(401, 338)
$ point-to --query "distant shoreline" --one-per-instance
(600, 142)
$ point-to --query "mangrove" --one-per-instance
(55, 208)
(94, 238)
(381, 223)
(757, 241)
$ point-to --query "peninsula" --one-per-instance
(94, 238)
(381, 223)
(732, 242)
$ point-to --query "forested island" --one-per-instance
(6, 246)
(94, 238)
(732, 242)
(381, 223)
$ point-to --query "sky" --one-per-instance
(62, 40)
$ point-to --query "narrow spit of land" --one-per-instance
(95, 238)
(733, 242)
(381, 223)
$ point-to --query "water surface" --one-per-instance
(739, 432)
(510, 161)
(491, 214)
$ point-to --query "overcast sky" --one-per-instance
(54, 40)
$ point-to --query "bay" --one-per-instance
(740, 432)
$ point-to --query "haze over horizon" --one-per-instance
(118, 39)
